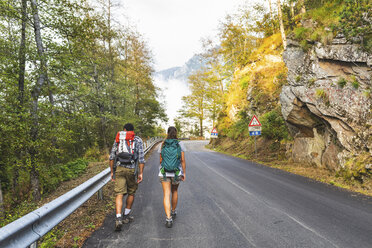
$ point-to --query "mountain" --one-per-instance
(182, 73)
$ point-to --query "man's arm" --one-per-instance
(112, 158)
(141, 160)
(112, 169)
(140, 173)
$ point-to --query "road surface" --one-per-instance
(231, 202)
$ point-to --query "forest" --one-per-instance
(70, 77)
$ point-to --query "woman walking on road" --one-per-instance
(172, 170)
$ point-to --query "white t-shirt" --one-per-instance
(171, 174)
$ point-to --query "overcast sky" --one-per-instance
(174, 28)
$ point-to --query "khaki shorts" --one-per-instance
(125, 181)
(170, 179)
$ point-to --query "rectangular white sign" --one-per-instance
(254, 128)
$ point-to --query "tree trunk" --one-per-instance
(292, 9)
(15, 187)
(101, 108)
(21, 89)
(282, 31)
(1, 203)
(22, 55)
(35, 102)
(271, 16)
(302, 5)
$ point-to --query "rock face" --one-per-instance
(327, 103)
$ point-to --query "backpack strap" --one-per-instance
(131, 145)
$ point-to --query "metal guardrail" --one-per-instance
(27, 230)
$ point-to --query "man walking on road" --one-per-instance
(126, 162)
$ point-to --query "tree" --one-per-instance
(1, 203)
(282, 31)
(196, 102)
(34, 175)
(271, 16)
(70, 78)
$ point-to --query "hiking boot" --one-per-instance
(118, 223)
(173, 214)
(128, 218)
(169, 222)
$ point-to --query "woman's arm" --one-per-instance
(183, 163)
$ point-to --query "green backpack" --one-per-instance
(171, 157)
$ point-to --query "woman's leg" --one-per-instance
(166, 200)
(174, 196)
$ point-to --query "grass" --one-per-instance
(355, 83)
(342, 82)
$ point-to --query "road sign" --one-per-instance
(254, 122)
(254, 128)
(254, 133)
(214, 133)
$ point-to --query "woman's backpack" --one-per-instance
(171, 157)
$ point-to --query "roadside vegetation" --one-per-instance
(70, 77)
(246, 72)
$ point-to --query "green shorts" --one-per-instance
(125, 181)
(170, 179)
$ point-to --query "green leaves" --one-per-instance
(98, 76)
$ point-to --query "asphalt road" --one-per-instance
(230, 202)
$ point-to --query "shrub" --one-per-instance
(273, 125)
(240, 128)
(321, 94)
(355, 17)
(52, 176)
(311, 82)
(342, 82)
(355, 83)
(93, 154)
(301, 33)
(367, 93)
(298, 78)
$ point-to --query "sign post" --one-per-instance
(214, 135)
(254, 130)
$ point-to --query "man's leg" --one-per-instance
(119, 203)
(132, 186)
(130, 200)
(119, 218)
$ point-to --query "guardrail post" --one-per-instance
(33, 245)
(100, 194)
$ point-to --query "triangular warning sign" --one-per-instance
(214, 130)
(254, 122)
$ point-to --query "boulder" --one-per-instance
(327, 102)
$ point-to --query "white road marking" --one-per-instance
(227, 179)
(236, 226)
(278, 210)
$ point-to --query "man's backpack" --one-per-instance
(126, 154)
(171, 157)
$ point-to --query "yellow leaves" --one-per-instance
(266, 75)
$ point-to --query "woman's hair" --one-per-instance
(172, 133)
